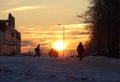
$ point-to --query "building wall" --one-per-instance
(10, 39)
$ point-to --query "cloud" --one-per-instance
(78, 33)
(47, 35)
(73, 26)
(11, 2)
(51, 33)
(24, 8)
(26, 43)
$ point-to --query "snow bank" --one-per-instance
(45, 69)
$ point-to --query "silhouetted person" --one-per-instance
(37, 50)
(50, 52)
(53, 53)
(80, 50)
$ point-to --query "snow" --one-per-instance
(45, 69)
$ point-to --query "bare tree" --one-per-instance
(105, 18)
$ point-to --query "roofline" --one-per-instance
(4, 21)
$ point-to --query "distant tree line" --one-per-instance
(104, 16)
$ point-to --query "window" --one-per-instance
(12, 34)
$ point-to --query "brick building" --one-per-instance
(10, 38)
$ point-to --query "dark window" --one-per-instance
(2, 27)
(12, 34)
(17, 36)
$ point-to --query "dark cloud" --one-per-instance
(84, 33)
(26, 43)
(46, 33)
(45, 44)
(27, 33)
(78, 33)
(78, 37)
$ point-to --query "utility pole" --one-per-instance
(63, 37)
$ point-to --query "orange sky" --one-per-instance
(32, 36)
(38, 20)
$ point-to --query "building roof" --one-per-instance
(3, 21)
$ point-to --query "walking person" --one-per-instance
(80, 50)
(37, 51)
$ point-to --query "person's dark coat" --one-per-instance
(37, 50)
(80, 50)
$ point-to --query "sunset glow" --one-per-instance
(74, 33)
(59, 45)
(38, 20)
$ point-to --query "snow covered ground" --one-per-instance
(45, 69)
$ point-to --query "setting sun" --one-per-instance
(59, 45)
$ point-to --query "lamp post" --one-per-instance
(63, 37)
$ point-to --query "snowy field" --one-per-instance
(45, 69)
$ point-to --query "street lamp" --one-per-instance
(63, 37)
